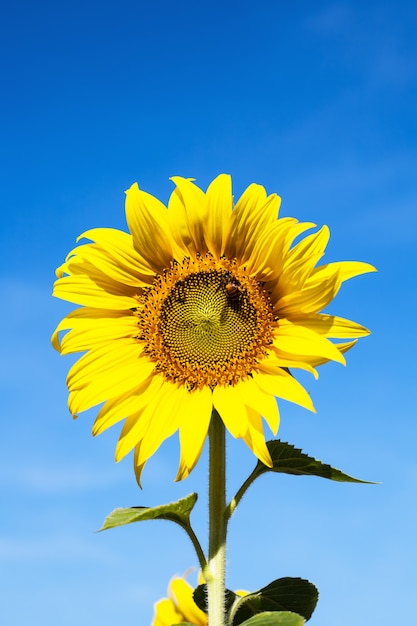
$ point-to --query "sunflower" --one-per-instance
(179, 606)
(204, 306)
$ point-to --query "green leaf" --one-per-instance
(178, 512)
(290, 460)
(284, 594)
(275, 618)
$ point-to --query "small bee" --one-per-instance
(232, 286)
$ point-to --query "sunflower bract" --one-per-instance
(204, 305)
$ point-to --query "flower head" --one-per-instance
(179, 606)
(204, 306)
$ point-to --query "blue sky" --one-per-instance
(316, 101)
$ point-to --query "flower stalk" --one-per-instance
(217, 522)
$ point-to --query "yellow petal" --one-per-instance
(312, 298)
(111, 266)
(82, 290)
(147, 220)
(303, 257)
(119, 245)
(138, 467)
(243, 220)
(124, 406)
(331, 326)
(344, 269)
(219, 208)
(229, 404)
(267, 259)
(84, 318)
(257, 221)
(255, 438)
(299, 340)
(342, 347)
(195, 209)
(179, 225)
(195, 421)
(260, 402)
(148, 433)
(166, 614)
(103, 332)
(279, 358)
(281, 384)
(100, 360)
(112, 383)
(182, 594)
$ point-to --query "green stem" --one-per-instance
(232, 506)
(217, 522)
(199, 552)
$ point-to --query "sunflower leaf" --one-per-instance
(178, 512)
(275, 618)
(288, 459)
(284, 594)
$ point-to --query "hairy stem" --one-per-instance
(232, 506)
(217, 522)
